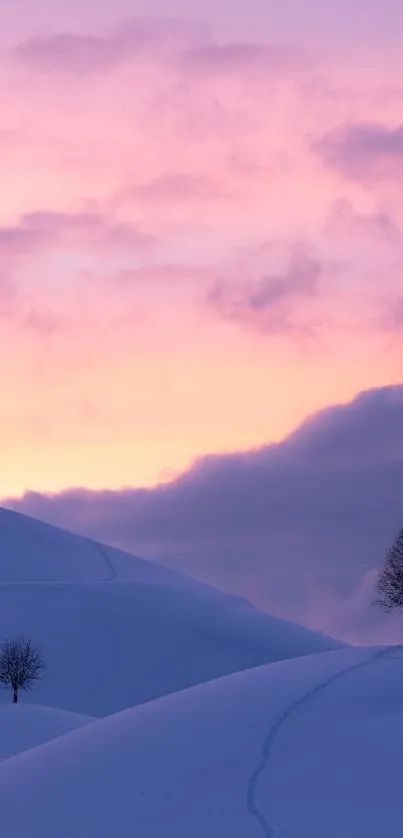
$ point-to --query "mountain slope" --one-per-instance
(308, 747)
(117, 631)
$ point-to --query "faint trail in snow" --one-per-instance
(113, 572)
(251, 794)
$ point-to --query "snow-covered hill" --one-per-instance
(26, 726)
(116, 630)
(31, 551)
(309, 748)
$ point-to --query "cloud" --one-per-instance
(36, 230)
(45, 295)
(398, 314)
(365, 151)
(220, 59)
(45, 323)
(299, 527)
(379, 225)
(21, 238)
(177, 186)
(82, 55)
(7, 295)
(189, 44)
(268, 304)
(176, 191)
(373, 420)
(393, 320)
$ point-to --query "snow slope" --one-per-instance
(26, 727)
(116, 630)
(31, 551)
(299, 749)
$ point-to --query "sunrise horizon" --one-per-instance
(169, 475)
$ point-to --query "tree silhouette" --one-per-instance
(21, 664)
(389, 585)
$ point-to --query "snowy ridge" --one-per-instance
(31, 551)
(103, 617)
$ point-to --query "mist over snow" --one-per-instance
(298, 527)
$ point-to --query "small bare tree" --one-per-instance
(389, 585)
(21, 664)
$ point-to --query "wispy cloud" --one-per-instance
(270, 303)
(379, 225)
(220, 59)
(171, 187)
(188, 46)
(392, 321)
(45, 228)
(364, 151)
(86, 54)
(46, 323)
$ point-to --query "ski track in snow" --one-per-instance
(252, 804)
(112, 570)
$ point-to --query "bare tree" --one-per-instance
(21, 664)
(389, 585)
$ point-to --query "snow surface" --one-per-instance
(116, 630)
(305, 748)
(24, 727)
(31, 551)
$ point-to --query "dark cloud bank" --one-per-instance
(299, 527)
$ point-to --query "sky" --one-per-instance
(201, 238)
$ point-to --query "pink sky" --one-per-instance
(201, 232)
